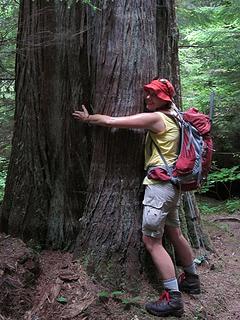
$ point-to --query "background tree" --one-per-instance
(48, 169)
(167, 45)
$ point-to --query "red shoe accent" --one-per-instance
(165, 295)
(181, 277)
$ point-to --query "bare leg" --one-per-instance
(181, 245)
(160, 257)
(170, 303)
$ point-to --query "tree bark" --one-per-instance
(198, 237)
(48, 172)
(123, 51)
(54, 159)
(109, 241)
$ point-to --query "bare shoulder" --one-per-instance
(157, 124)
(156, 115)
(160, 114)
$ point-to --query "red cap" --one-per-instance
(162, 88)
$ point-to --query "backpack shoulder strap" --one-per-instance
(177, 117)
(169, 170)
(174, 114)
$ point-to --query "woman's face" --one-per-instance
(153, 102)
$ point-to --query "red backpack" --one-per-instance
(194, 160)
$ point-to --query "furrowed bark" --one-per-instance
(123, 52)
(48, 172)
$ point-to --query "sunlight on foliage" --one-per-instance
(223, 175)
(72, 2)
(209, 52)
(8, 33)
(205, 35)
(231, 206)
(120, 297)
(3, 175)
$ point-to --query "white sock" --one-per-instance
(171, 284)
(191, 269)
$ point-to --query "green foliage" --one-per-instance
(71, 2)
(222, 175)
(131, 300)
(113, 294)
(117, 293)
(209, 52)
(8, 33)
(3, 175)
(90, 3)
(200, 313)
(205, 33)
(205, 208)
(118, 296)
(35, 246)
(85, 2)
(103, 294)
(231, 206)
(61, 299)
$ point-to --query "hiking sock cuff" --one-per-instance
(191, 269)
(171, 284)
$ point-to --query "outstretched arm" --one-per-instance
(150, 121)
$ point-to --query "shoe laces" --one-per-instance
(165, 296)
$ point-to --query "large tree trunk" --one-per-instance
(48, 170)
(49, 167)
(126, 51)
(123, 52)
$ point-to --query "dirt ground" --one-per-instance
(51, 286)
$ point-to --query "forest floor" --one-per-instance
(51, 286)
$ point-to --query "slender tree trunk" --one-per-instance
(196, 233)
(48, 170)
(167, 44)
(123, 52)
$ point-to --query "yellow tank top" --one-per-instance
(167, 141)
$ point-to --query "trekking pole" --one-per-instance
(197, 230)
(212, 105)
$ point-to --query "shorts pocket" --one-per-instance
(152, 202)
(153, 217)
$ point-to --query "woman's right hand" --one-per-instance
(81, 115)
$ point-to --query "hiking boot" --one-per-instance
(189, 283)
(169, 304)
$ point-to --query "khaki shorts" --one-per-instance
(161, 203)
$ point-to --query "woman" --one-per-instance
(161, 199)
